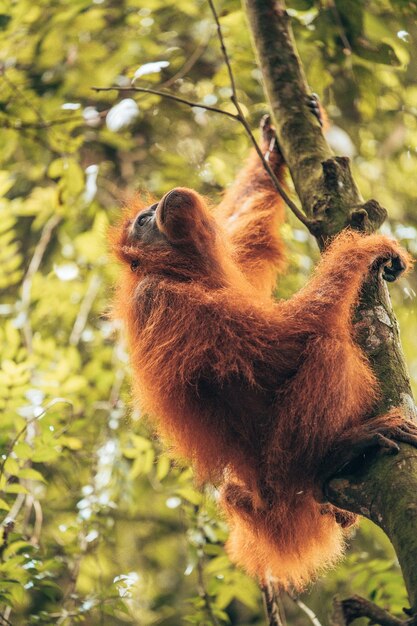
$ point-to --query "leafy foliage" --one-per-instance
(99, 525)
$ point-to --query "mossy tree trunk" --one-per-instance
(385, 490)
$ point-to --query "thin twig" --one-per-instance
(37, 527)
(116, 388)
(291, 205)
(242, 119)
(66, 614)
(204, 595)
(22, 97)
(309, 612)
(281, 608)
(14, 511)
(21, 125)
(84, 310)
(34, 264)
(4, 617)
(245, 124)
(190, 62)
(225, 56)
(343, 37)
(69, 593)
(24, 428)
(271, 605)
(37, 258)
(239, 117)
(170, 96)
(203, 591)
(42, 122)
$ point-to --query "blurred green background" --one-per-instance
(107, 529)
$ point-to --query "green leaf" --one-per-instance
(23, 450)
(15, 488)
(31, 474)
(163, 467)
(45, 454)
(189, 494)
(11, 466)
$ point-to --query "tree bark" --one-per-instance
(385, 490)
(323, 182)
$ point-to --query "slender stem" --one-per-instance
(34, 264)
(4, 617)
(243, 121)
(21, 125)
(170, 96)
(84, 310)
(37, 257)
(309, 612)
(14, 511)
(271, 604)
(24, 428)
(22, 97)
(239, 117)
(225, 55)
(37, 526)
(303, 219)
(342, 32)
(188, 65)
(204, 593)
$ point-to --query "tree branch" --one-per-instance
(85, 308)
(34, 265)
(385, 491)
(306, 609)
(347, 611)
(21, 125)
(271, 605)
(239, 117)
(188, 65)
(204, 595)
(323, 182)
(242, 119)
(169, 96)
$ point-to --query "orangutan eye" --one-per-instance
(143, 219)
(134, 265)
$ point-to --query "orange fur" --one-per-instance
(255, 393)
(251, 213)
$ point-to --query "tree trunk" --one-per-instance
(386, 490)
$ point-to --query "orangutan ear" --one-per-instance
(128, 254)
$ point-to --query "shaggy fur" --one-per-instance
(255, 393)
